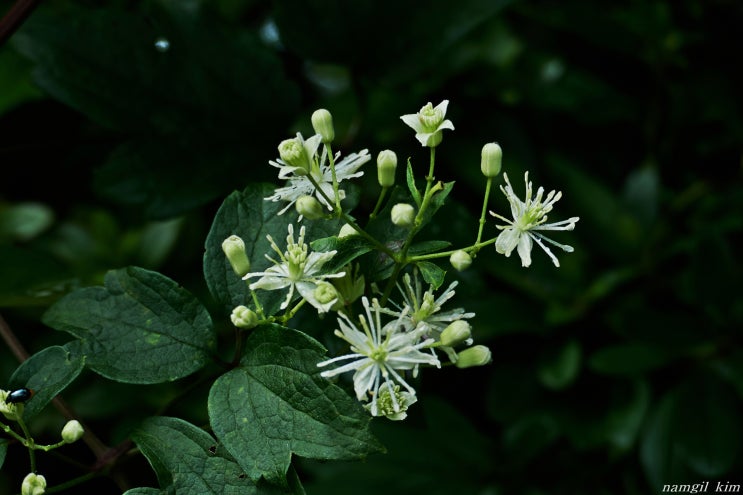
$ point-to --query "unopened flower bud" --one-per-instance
(460, 260)
(347, 231)
(386, 165)
(491, 159)
(456, 333)
(325, 292)
(244, 317)
(477, 355)
(293, 152)
(309, 207)
(234, 249)
(33, 484)
(322, 122)
(403, 215)
(72, 431)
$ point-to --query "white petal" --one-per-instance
(413, 121)
(524, 250)
(507, 240)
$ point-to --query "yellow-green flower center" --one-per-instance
(430, 117)
(296, 255)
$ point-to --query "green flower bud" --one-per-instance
(309, 207)
(386, 165)
(491, 159)
(477, 355)
(234, 249)
(456, 333)
(244, 317)
(293, 152)
(33, 484)
(403, 215)
(325, 292)
(347, 231)
(460, 260)
(322, 122)
(72, 431)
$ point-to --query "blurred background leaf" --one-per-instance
(125, 125)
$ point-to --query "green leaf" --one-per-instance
(248, 215)
(696, 425)
(426, 247)
(24, 221)
(16, 86)
(625, 417)
(419, 45)
(179, 453)
(708, 426)
(47, 373)
(145, 491)
(560, 368)
(177, 109)
(276, 404)
(30, 277)
(411, 185)
(432, 273)
(140, 328)
(3, 451)
(528, 436)
(437, 201)
(628, 359)
(618, 229)
(658, 453)
(348, 248)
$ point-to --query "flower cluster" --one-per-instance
(379, 357)
(298, 269)
(394, 336)
(311, 176)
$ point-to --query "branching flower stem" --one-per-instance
(488, 185)
(401, 259)
(350, 221)
(331, 160)
(443, 254)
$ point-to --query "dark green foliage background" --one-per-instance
(617, 373)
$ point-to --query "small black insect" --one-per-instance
(18, 396)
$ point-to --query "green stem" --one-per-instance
(47, 448)
(427, 193)
(7, 429)
(442, 254)
(402, 259)
(29, 443)
(258, 307)
(290, 313)
(382, 194)
(319, 190)
(331, 159)
(484, 209)
(381, 247)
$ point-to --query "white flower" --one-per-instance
(529, 216)
(424, 309)
(299, 182)
(33, 484)
(377, 357)
(297, 269)
(429, 123)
